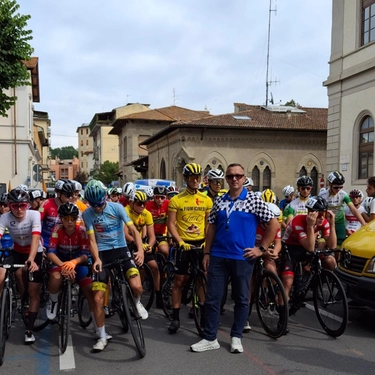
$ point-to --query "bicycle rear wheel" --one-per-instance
(148, 285)
(84, 315)
(167, 277)
(271, 304)
(133, 318)
(65, 309)
(4, 322)
(199, 292)
(330, 303)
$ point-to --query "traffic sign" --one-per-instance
(37, 168)
(37, 177)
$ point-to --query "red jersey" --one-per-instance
(49, 217)
(260, 234)
(159, 215)
(296, 230)
(124, 201)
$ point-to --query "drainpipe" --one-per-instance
(15, 132)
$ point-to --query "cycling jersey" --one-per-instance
(336, 204)
(261, 230)
(190, 212)
(67, 247)
(352, 223)
(108, 225)
(22, 231)
(49, 217)
(296, 230)
(81, 207)
(159, 216)
(295, 207)
(139, 220)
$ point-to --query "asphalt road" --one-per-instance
(306, 349)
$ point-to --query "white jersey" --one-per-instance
(352, 223)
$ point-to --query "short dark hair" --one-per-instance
(371, 181)
(235, 165)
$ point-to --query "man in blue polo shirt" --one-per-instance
(230, 252)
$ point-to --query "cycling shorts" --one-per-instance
(184, 258)
(20, 258)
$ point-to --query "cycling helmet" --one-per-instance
(114, 190)
(172, 191)
(317, 204)
(269, 196)
(68, 209)
(191, 169)
(18, 196)
(258, 194)
(366, 204)
(95, 192)
(22, 187)
(78, 186)
(275, 210)
(3, 198)
(35, 194)
(336, 178)
(355, 193)
(215, 174)
(149, 191)
(128, 190)
(160, 190)
(288, 190)
(66, 187)
(248, 182)
(305, 181)
(140, 196)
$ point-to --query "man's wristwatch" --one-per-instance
(262, 249)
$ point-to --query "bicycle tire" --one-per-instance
(330, 303)
(271, 304)
(84, 315)
(4, 322)
(64, 311)
(167, 278)
(148, 286)
(198, 281)
(133, 318)
(117, 305)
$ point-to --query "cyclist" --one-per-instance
(288, 194)
(158, 208)
(248, 184)
(187, 222)
(370, 190)
(4, 206)
(300, 237)
(215, 179)
(68, 249)
(128, 191)
(336, 199)
(77, 200)
(172, 191)
(104, 223)
(24, 228)
(36, 199)
(115, 194)
(352, 223)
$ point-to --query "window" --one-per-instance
(303, 172)
(81, 154)
(163, 173)
(314, 176)
(267, 178)
(125, 149)
(81, 142)
(368, 21)
(81, 131)
(255, 176)
(87, 142)
(366, 148)
(87, 131)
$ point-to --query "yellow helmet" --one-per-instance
(192, 169)
(140, 196)
(269, 196)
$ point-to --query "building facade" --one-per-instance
(85, 149)
(64, 169)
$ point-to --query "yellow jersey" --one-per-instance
(139, 220)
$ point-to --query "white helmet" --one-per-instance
(258, 194)
(214, 174)
(149, 191)
(128, 190)
(275, 210)
(77, 185)
(288, 189)
(248, 182)
(366, 204)
(23, 188)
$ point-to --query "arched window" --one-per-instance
(266, 178)
(163, 173)
(207, 169)
(303, 172)
(255, 176)
(314, 176)
(366, 148)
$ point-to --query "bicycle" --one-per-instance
(64, 309)
(330, 303)
(123, 302)
(270, 299)
(193, 290)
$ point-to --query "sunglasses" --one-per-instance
(337, 187)
(194, 178)
(3, 204)
(100, 204)
(19, 206)
(69, 218)
(217, 182)
(67, 195)
(322, 214)
(162, 197)
(140, 203)
(234, 176)
(306, 188)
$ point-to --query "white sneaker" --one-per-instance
(247, 327)
(236, 346)
(51, 310)
(142, 311)
(100, 344)
(29, 337)
(107, 336)
(204, 345)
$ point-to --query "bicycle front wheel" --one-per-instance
(134, 320)
(330, 303)
(198, 296)
(167, 278)
(271, 304)
(4, 322)
(84, 315)
(148, 285)
(65, 308)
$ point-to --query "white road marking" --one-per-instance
(67, 361)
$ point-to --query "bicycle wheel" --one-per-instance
(167, 277)
(4, 322)
(271, 304)
(117, 305)
(133, 318)
(64, 311)
(148, 285)
(84, 315)
(330, 303)
(199, 284)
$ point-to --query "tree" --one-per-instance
(14, 50)
(82, 178)
(292, 103)
(106, 173)
(66, 152)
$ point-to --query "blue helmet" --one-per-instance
(95, 192)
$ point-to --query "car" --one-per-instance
(356, 266)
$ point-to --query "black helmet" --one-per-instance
(68, 209)
(317, 204)
(192, 169)
(34, 194)
(66, 187)
(160, 190)
(305, 181)
(18, 196)
(3, 198)
(336, 178)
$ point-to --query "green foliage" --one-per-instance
(66, 152)
(14, 48)
(292, 103)
(106, 173)
(81, 177)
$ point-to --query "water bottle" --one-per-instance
(6, 240)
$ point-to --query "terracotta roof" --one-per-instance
(32, 65)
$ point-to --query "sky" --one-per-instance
(97, 55)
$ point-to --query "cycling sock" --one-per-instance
(31, 320)
(101, 332)
(176, 314)
(54, 297)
